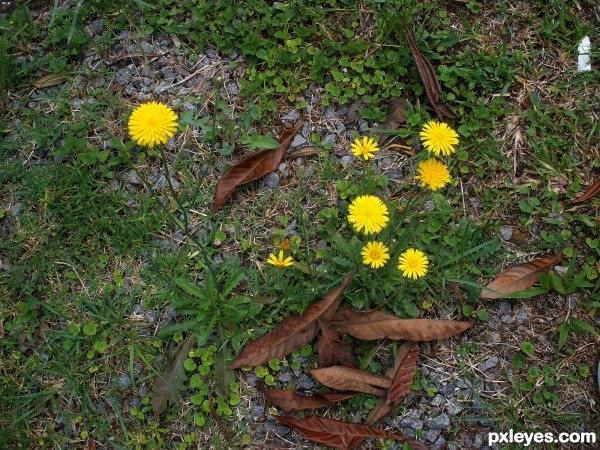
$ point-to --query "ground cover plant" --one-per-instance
(137, 267)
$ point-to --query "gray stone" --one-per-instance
(330, 112)
(362, 125)
(474, 202)
(284, 377)
(291, 116)
(298, 140)
(561, 270)
(123, 381)
(291, 228)
(440, 444)
(347, 160)
(429, 205)
(271, 181)
(15, 209)
(98, 82)
(439, 422)
(308, 171)
(232, 88)
(161, 183)
(169, 75)
(340, 128)
(124, 76)
(504, 308)
(432, 434)
(572, 301)
(385, 163)
(453, 409)
(522, 316)
(506, 232)
(448, 390)
(488, 364)
(438, 400)
(330, 139)
(151, 315)
(305, 382)
(411, 422)
(252, 379)
(507, 319)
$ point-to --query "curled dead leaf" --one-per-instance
(589, 193)
(290, 401)
(338, 434)
(371, 325)
(48, 80)
(293, 332)
(519, 277)
(348, 379)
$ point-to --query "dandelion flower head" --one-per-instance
(439, 138)
(152, 123)
(367, 148)
(433, 174)
(368, 214)
(375, 254)
(280, 261)
(413, 263)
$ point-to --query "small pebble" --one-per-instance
(123, 381)
(504, 308)
(439, 422)
(521, 316)
(271, 181)
(506, 232)
(432, 434)
(347, 160)
(488, 364)
(291, 116)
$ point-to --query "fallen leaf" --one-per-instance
(332, 349)
(589, 193)
(292, 332)
(371, 325)
(304, 151)
(400, 148)
(167, 384)
(395, 117)
(401, 375)
(429, 79)
(253, 166)
(338, 434)
(48, 80)
(218, 420)
(519, 277)
(290, 401)
(348, 379)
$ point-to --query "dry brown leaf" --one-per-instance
(519, 277)
(167, 384)
(332, 349)
(338, 434)
(589, 193)
(395, 117)
(290, 401)
(400, 148)
(401, 375)
(252, 167)
(429, 78)
(371, 325)
(304, 151)
(48, 80)
(293, 332)
(348, 379)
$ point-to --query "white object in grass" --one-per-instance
(585, 48)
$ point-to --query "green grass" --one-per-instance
(86, 249)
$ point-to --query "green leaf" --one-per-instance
(189, 287)
(100, 346)
(260, 141)
(563, 332)
(90, 329)
(581, 326)
(527, 348)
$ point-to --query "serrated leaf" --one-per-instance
(519, 277)
(293, 332)
(189, 287)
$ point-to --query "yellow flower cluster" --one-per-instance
(439, 139)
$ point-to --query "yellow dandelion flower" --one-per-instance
(375, 254)
(280, 261)
(439, 138)
(413, 263)
(367, 148)
(433, 174)
(368, 213)
(152, 123)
